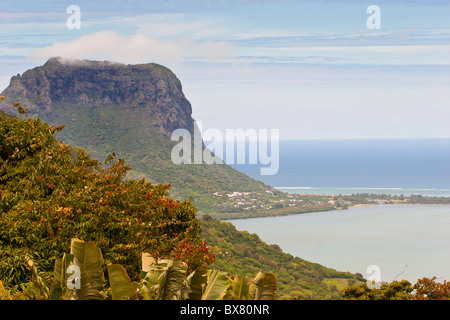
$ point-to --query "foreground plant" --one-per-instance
(51, 193)
(424, 289)
(79, 275)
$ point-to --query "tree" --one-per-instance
(428, 289)
(424, 289)
(396, 290)
(160, 279)
(48, 196)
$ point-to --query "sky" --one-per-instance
(311, 69)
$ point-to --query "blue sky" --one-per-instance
(311, 69)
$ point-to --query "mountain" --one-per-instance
(130, 110)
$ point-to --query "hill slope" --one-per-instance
(131, 110)
(242, 253)
(50, 194)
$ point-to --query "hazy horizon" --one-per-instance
(312, 69)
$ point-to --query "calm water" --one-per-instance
(414, 165)
(349, 191)
(391, 236)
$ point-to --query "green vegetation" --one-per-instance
(52, 193)
(106, 130)
(80, 275)
(47, 198)
(424, 289)
(132, 110)
(371, 198)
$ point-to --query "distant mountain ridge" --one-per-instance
(130, 110)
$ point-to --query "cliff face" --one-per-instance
(151, 88)
(130, 110)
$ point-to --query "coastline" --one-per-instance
(372, 234)
(360, 205)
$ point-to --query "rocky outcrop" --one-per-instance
(151, 88)
(130, 110)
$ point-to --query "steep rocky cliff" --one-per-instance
(150, 88)
(131, 110)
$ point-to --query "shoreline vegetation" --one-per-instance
(53, 194)
(244, 205)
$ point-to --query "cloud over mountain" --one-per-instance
(138, 48)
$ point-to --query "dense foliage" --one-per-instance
(160, 279)
(50, 194)
(129, 133)
(424, 289)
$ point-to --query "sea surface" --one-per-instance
(405, 241)
(391, 166)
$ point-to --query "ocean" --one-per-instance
(404, 241)
(390, 166)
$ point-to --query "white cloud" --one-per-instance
(138, 48)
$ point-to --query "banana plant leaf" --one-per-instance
(241, 289)
(89, 258)
(121, 286)
(196, 281)
(89, 287)
(263, 286)
(60, 277)
(173, 283)
(217, 286)
(166, 280)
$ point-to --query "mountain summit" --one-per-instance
(150, 90)
(131, 110)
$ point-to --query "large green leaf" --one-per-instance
(57, 291)
(217, 285)
(263, 286)
(86, 255)
(173, 282)
(90, 261)
(90, 290)
(196, 281)
(89, 258)
(166, 280)
(241, 288)
(121, 286)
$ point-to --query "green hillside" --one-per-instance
(52, 193)
(242, 253)
(131, 110)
